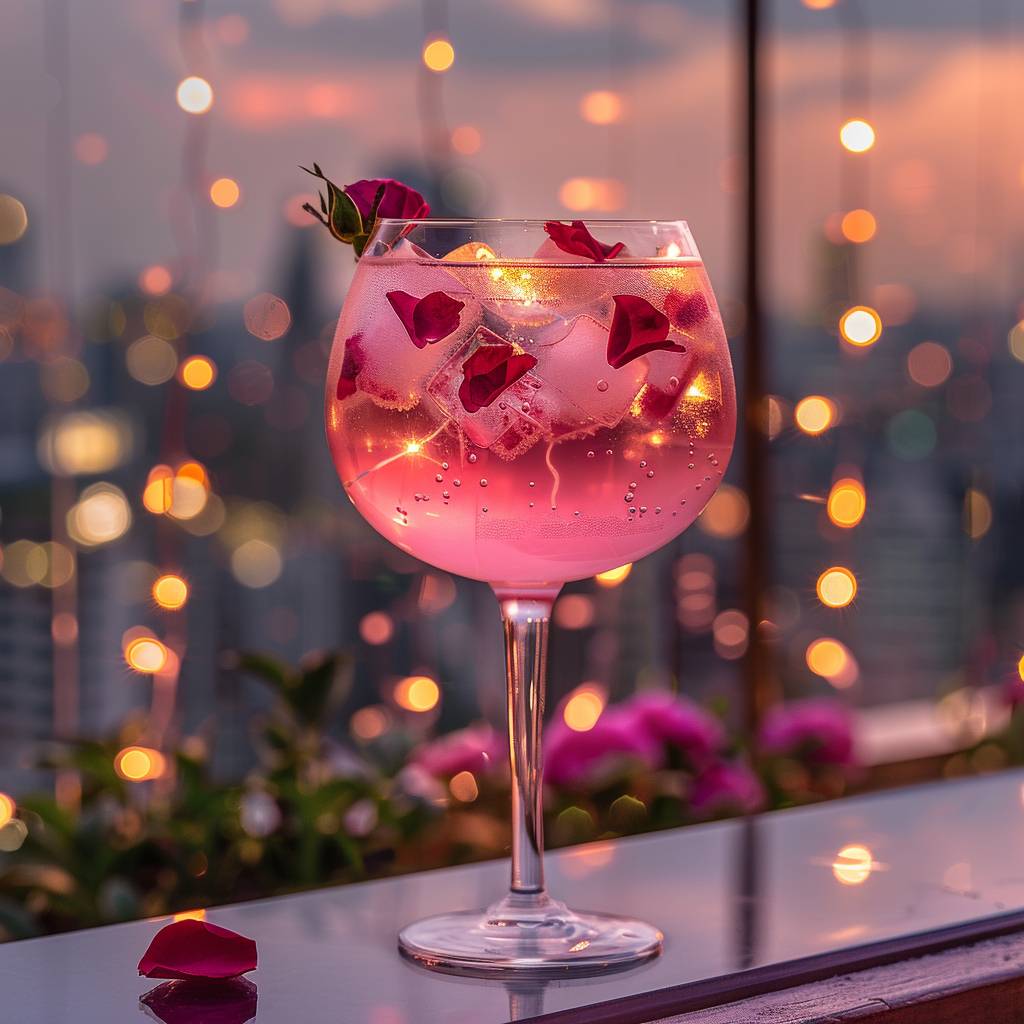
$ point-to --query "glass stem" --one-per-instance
(526, 621)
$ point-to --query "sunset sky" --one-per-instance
(336, 81)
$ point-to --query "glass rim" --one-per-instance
(530, 222)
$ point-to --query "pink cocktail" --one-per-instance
(528, 410)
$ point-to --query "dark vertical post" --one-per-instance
(758, 675)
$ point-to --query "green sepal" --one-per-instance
(340, 214)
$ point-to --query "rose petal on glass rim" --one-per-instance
(686, 311)
(577, 240)
(398, 201)
(350, 367)
(489, 371)
(197, 949)
(637, 328)
(427, 320)
(231, 1001)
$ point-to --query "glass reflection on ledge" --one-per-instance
(231, 1001)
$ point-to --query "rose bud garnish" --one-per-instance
(350, 213)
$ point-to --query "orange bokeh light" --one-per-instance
(859, 226)
(224, 192)
(139, 764)
(860, 326)
(814, 414)
(417, 693)
(170, 591)
(836, 587)
(613, 577)
(847, 502)
(7, 809)
(438, 55)
(584, 707)
(197, 373)
(155, 280)
(146, 654)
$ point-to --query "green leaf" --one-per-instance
(343, 218)
(266, 667)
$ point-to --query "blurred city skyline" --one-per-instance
(337, 81)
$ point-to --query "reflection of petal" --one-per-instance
(201, 1002)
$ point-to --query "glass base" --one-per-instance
(528, 932)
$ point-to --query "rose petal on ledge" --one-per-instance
(637, 328)
(686, 311)
(197, 949)
(489, 371)
(350, 367)
(232, 1001)
(577, 240)
(427, 320)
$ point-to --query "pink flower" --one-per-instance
(637, 328)
(577, 240)
(197, 949)
(678, 722)
(477, 748)
(726, 787)
(573, 758)
(398, 201)
(489, 371)
(427, 320)
(821, 730)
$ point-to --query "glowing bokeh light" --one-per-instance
(574, 611)
(860, 326)
(727, 513)
(859, 226)
(13, 219)
(417, 693)
(814, 414)
(139, 764)
(224, 192)
(195, 95)
(977, 519)
(191, 915)
(376, 628)
(847, 502)
(256, 563)
(827, 657)
(819, 5)
(857, 135)
(730, 631)
(170, 591)
(463, 787)
(613, 577)
(370, 722)
(929, 364)
(91, 149)
(605, 195)
(584, 707)
(1015, 341)
(151, 360)
(197, 373)
(601, 107)
(159, 490)
(101, 515)
(438, 55)
(267, 316)
(155, 280)
(7, 809)
(146, 654)
(836, 587)
(466, 139)
(853, 865)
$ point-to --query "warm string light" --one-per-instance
(417, 693)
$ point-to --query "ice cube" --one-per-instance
(574, 361)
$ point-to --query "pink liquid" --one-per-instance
(575, 469)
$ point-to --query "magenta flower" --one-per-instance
(726, 787)
(677, 722)
(477, 748)
(637, 328)
(489, 371)
(427, 320)
(577, 240)
(820, 730)
(575, 758)
(398, 200)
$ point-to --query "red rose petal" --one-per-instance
(350, 367)
(232, 1001)
(576, 240)
(637, 328)
(686, 311)
(489, 371)
(398, 201)
(427, 320)
(197, 949)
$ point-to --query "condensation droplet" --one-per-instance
(531, 504)
(689, 465)
(525, 407)
(533, 483)
(657, 510)
(457, 483)
(673, 382)
(650, 474)
(439, 478)
(483, 482)
(643, 463)
(628, 496)
(471, 457)
(643, 509)
(444, 465)
(483, 508)
(502, 405)
(445, 494)
(576, 513)
(696, 487)
(602, 385)
(590, 455)
(632, 485)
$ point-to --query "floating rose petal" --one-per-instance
(398, 201)
(576, 240)
(686, 311)
(637, 328)
(197, 949)
(350, 367)
(232, 1001)
(429, 319)
(489, 371)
